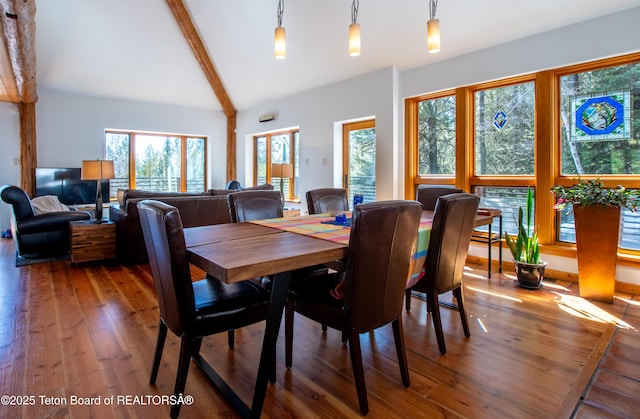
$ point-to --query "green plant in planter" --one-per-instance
(593, 192)
(524, 246)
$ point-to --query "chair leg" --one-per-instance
(432, 301)
(231, 338)
(162, 335)
(288, 336)
(398, 336)
(186, 348)
(197, 343)
(407, 300)
(358, 371)
(459, 294)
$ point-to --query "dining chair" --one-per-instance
(453, 222)
(428, 196)
(327, 200)
(381, 242)
(254, 205)
(259, 205)
(191, 310)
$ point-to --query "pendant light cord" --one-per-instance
(280, 11)
(354, 10)
(433, 5)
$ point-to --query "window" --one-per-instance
(504, 133)
(437, 136)
(535, 130)
(156, 162)
(277, 161)
(504, 130)
(600, 133)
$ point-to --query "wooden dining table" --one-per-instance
(242, 251)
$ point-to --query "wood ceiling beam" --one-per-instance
(19, 31)
(190, 33)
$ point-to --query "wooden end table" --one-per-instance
(90, 241)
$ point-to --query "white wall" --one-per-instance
(10, 146)
(602, 37)
(315, 112)
(70, 128)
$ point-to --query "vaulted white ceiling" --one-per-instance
(133, 49)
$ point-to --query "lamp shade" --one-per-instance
(354, 39)
(280, 45)
(281, 170)
(97, 169)
(433, 36)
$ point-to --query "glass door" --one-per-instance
(359, 164)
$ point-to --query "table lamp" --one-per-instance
(281, 170)
(98, 170)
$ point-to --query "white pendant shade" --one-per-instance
(354, 39)
(280, 45)
(433, 36)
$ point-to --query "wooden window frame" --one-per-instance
(183, 154)
(294, 161)
(547, 149)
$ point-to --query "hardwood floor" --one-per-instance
(89, 332)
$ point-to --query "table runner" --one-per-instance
(312, 225)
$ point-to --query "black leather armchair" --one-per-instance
(42, 234)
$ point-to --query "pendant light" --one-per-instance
(433, 29)
(280, 44)
(354, 30)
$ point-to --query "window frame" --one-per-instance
(547, 149)
(183, 155)
(292, 155)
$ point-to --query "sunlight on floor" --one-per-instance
(556, 287)
(579, 307)
(628, 301)
(495, 294)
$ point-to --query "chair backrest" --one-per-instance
(19, 200)
(254, 205)
(382, 241)
(428, 196)
(453, 223)
(326, 200)
(164, 240)
(233, 185)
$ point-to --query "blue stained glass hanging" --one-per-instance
(600, 115)
(500, 120)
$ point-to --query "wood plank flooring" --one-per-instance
(70, 332)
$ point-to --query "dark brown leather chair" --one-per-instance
(191, 310)
(254, 205)
(381, 244)
(453, 222)
(327, 200)
(260, 205)
(428, 196)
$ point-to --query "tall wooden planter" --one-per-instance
(597, 232)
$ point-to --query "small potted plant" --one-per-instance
(596, 211)
(526, 250)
